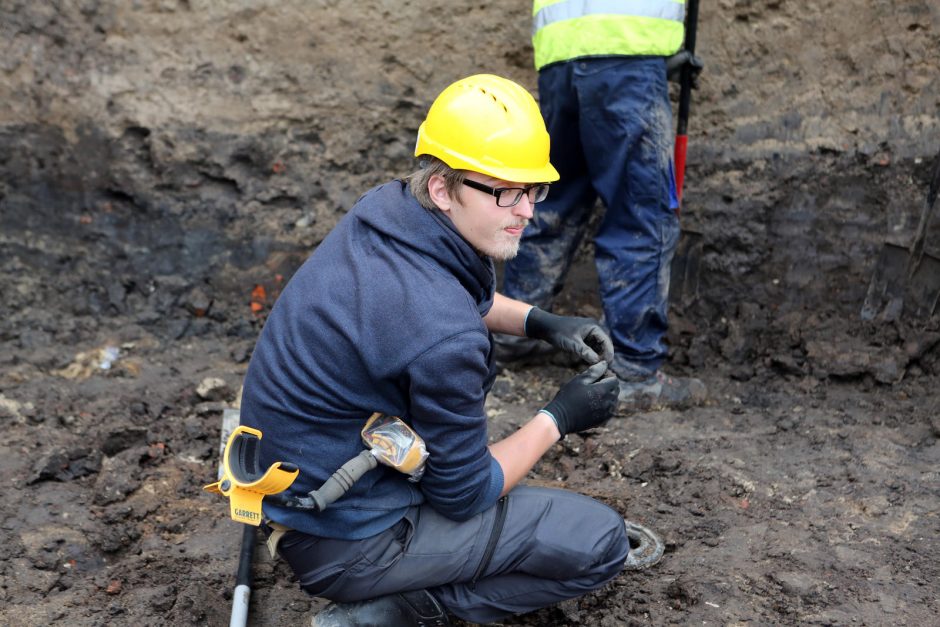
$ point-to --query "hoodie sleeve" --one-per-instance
(446, 397)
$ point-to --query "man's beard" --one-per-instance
(508, 249)
(505, 251)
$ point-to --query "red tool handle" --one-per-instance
(682, 144)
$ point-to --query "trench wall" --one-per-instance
(164, 146)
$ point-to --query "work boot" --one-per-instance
(646, 548)
(661, 391)
(404, 609)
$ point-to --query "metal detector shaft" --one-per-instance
(243, 579)
(242, 593)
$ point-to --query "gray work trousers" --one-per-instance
(537, 547)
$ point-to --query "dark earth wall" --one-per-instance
(208, 146)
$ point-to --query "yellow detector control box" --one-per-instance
(244, 482)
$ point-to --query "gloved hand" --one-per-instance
(581, 336)
(676, 62)
(585, 401)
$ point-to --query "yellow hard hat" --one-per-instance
(488, 124)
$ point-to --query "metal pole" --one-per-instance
(243, 578)
(230, 421)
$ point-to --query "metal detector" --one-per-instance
(388, 441)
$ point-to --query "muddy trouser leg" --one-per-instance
(626, 131)
(551, 545)
(548, 245)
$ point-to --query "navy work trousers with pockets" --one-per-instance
(610, 123)
(537, 547)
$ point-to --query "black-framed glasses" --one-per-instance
(510, 196)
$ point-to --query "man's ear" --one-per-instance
(437, 189)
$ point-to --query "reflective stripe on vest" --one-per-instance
(567, 29)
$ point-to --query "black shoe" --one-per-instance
(404, 609)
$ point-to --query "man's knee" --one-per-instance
(568, 535)
(611, 561)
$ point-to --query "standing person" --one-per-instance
(393, 313)
(604, 96)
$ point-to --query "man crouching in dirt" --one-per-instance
(393, 313)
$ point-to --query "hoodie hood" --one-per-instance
(392, 210)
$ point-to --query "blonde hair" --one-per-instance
(418, 181)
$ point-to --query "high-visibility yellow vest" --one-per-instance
(568, 29)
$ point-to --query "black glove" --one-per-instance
(676, 62)
(585, 401)
(581, 336)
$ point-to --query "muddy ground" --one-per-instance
(166, 165)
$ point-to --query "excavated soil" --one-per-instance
(166, 165)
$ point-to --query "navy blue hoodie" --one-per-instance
(386, 315)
